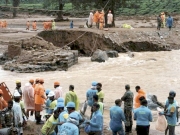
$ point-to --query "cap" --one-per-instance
(172, 93)
(16, 94)
(51, 93)
(60, 104)
(60, 99)
(70, 104)
(56, 83)
(47, 91)
(94, 83)
(31, 80)
(41, 80)
(1, 92)
(18, 81)
(37, 80)
(74, 116)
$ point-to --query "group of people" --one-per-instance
(162, 21)
(47, 25)
(64, 118)
(99, 19)
(3, 24)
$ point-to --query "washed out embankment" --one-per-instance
(59, 49)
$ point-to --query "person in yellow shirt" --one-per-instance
(53, 102)
(51, 123)
(71, 96)
(100, 92)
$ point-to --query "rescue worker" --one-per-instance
(101, 20)
(18, 86)
(53, 102)
(143, 116)
(18, 116)
(90, 19)
(163, 18)
(36, 83)
(117, 117)
(89, 96)
(128, 106)
(169, 22)
(53, 25)
(28, 97)
(96, 123)
(49, 126)
(3, 103)
(70, 127)
(39, 100)
(48, 101)
(140, 93)
(27, 25)
(71, 96)
(109, 19)
(63, 115)
(58, 90)
(100, 92)
(95, 100)
(159, 21)
(96, 19)
(34, 25)
(8, 115)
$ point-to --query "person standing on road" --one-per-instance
(128, 106)
(159, 21)
(27, 25)
(143, 116)
(100, 92)
(117, 117)
(90, 19)
(96, 19)
(34, 25)
(169, 22)
(109, 19)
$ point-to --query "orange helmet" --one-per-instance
(1, 92)
(56, 83)
(31, 80)
(41, 80)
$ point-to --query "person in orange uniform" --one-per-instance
(96, 19)
(3, 103)
(39, 100)
(27, 25)
(34, 25)
(140, 93)
(101, 20)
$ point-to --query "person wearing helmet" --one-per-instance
(53, 102)
(18, 117)
(18, 87)
(58, 90)
(71, 96)
(63, 115)
(70, 127)
(39, 100)
(50, 125)
(128, 106)
(3, 103)
(28, 97)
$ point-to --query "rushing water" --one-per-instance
(156, 72)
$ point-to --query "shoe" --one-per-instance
(40, 122)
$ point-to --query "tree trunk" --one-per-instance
(15, 5)
(60, 13)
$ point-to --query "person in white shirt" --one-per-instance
(109, 19)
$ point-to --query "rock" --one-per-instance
(14, 50)
(112, 54)
(130, 54)
(99, 56)
(81, 26)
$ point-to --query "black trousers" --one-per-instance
(142, 130)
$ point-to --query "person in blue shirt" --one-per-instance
(171, 116)
(71, 24)
(95, 124)
(117, 117)
(48, 101)
(169, 22)
(70, 127)
(63, 115)
(143, 116)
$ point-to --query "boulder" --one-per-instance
(99, 56)
(14, 50)
(112, 54)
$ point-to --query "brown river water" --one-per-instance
(156, 72)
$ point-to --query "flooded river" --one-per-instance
(156, 72)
